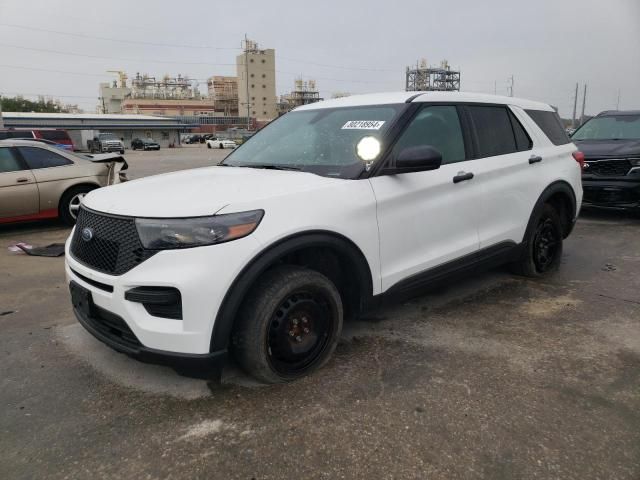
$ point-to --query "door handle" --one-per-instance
(22, 180)
(535, 159)
(462, 176)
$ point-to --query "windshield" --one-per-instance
(322, 141)
(108, 136)
(619, 127)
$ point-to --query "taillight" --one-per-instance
(579, 157)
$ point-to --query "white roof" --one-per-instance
(402, 97)
(81, 116)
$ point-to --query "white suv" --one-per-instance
(315, 218)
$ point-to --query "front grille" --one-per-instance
(608, 168)
(113, 327)
(115, 247)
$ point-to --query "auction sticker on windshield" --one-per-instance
(363, 125)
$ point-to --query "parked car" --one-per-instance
(610, 142)
(40, 181)
(105, 142)
(59, 137)
(144, 144)
(315, 218)
(220, 143)
(194, 139)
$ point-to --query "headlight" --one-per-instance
(635, 162)
(165, 233)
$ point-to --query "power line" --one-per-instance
(58, 52)
(204, 47)
(111, 39)
(56, 71)
(343, 67)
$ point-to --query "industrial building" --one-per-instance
(256, 70)
(223, 91)
(425, 78)
(166, 131)
(304, 92)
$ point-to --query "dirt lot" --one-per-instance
(494, 377)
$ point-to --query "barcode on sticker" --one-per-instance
(363, 125)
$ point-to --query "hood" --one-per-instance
(200, 191)
(609, 148)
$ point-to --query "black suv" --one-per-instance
(610, 142)
(144, 144)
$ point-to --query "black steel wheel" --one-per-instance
(542, 245)
(289, 325)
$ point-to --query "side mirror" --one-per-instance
(418, 159)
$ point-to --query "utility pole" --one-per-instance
(1, 120)
(246, 72)
(584, 100)
(511, 86)
(575, 106)
(495, 87)
(617, 103)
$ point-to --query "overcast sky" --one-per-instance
(352, 46)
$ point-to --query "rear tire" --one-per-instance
(208, 145)
(288, 326)
(542, 250)
(69, 206)
(221, 146)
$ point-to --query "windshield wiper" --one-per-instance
(272, 167)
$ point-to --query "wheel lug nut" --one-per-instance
(304, 320)
(291, 333)
(294, 321)
(306, 330)
(298, 338)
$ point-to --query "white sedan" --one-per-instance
(221, 143)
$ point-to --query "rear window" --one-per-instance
(549, 123)
(54, 135)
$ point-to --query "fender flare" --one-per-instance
(557, 187)
(241, 285)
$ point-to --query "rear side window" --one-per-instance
(438, 127)
(8, 162)
(493, 129)
(523, 141)
(42, 158)
(54, 135)
(549, 123)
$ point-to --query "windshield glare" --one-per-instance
(623, 127)
(321, 141)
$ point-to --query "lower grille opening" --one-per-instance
(164, 302)
(112, 326)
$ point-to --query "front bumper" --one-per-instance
(203, 276)
(208, 365)
(615, 193)
(112, 148)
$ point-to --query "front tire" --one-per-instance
(221, 146)
(69, 206)
(289, 325)
(208, 145)
(542, 246)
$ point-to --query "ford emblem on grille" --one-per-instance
(87, 234)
